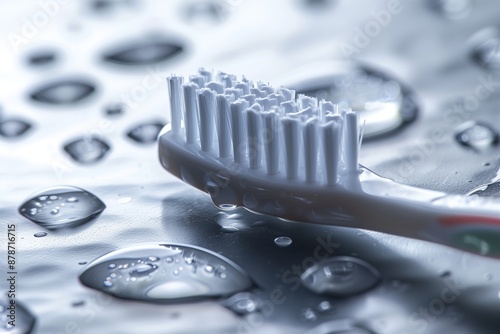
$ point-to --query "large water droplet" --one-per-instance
(340, 276)
(24, 320)
(143, 52)
(145, 133)
(171, 277)
(477, 136)
(11, 128)
(63, 92)
(382, 103)
(87, 150)
(283, 241)
(52, 215)
(243, 303)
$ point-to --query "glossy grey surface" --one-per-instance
(424, 288)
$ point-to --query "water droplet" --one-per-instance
(166, 284)
(486, 47)
(53, 216)
(309, 315)
(340, 276)
(205, 13)
(452, 9)
(142, 270)
(283, 241)
(40, 234)
(13, 128)
(63, 92)
(112, 266)
(477, 136)
(42, 58)
(87, 150)
(125, 200)
(382, 103)
(229, 229)
(243, 303)
(24, 320)
(325, 306)
(143, 52)
(72, 200)
(209, 269)
(146, 133)
(78, 303)
(82, 263)
(114, 109)
(227, 206)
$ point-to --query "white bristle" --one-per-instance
(250, 98)
(238, 130)
(254, 137)
(351, 142)
(198, 79)
(289, 107)
(244, 87)
(267, 89)
(256, 107)
(288, 94)
(267, 103)
(305, 101)
(206, 74)
(331, 132)
(291, 135)
(227, 80)
(310, 136)
(207, 103)
(262, 128)
(223, 131)
(258, 93)
(191, 116)
(216, 87)
(176, 102)
(271, 141)
(233, 91)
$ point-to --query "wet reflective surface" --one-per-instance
(80, 79)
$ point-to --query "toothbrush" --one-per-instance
(262, 148)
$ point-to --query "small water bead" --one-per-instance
(72, 200)
(87, 150)
(477, 136)
(13, 128)
(325, 306)
(485, 47)
(82, 263)
(24, 320)
(309, 315)
(243, 303)
(65, 91)
(340, 276)
(125, 200)
(143, 52)
(283, 241)
(146, 133)
(52, 215)
(230, 229)
(155, 282)
(143, 270)
(78, 303)
(42, 58)
(40, 234)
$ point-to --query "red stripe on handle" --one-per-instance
(451, 221)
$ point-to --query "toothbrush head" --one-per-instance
(249, 144)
